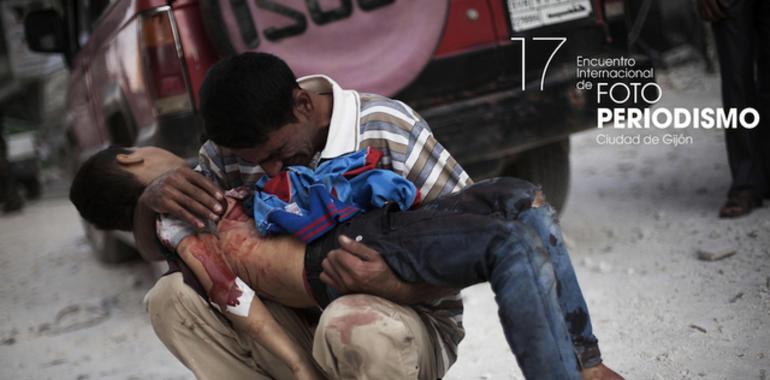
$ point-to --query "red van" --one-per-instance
(136, 67)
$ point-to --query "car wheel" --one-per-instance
(547, 166)
(107, 247)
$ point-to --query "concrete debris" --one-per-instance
(597, 266)
(75, 317)
(710, 254)
(54, 362)
(9, 338)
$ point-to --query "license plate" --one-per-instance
(531, 14)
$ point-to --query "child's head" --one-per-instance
(107, 186)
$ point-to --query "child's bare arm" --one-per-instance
(240, 305)
(272, 266)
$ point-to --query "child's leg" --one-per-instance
(542, 220)
(514, 199)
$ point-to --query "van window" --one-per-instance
(96, 8)
(89, 12)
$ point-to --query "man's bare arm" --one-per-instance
(356, 268)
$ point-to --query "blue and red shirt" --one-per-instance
(308, 202)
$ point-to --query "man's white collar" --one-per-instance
(344, 125)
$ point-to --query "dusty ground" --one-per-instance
(635, 219)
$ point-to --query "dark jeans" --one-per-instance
(490, 232)
(743, 46)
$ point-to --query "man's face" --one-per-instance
(148, 163)
(292, 144)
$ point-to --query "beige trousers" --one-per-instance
(358, 337)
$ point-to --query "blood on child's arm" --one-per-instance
(216, 276)
(272, 266)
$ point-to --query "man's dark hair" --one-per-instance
(245, 97)
(104, 193)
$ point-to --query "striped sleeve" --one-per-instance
(211, 165)
(226, 169)
(412, 150)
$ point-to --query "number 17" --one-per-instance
(523, 52)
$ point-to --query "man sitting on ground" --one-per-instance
(260, 119)
(253, 103)
(503, 229)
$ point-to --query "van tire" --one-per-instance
(547, 166)
(32, 187)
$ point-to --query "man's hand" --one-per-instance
(184, 194)
(356, 268)
(712, 10)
